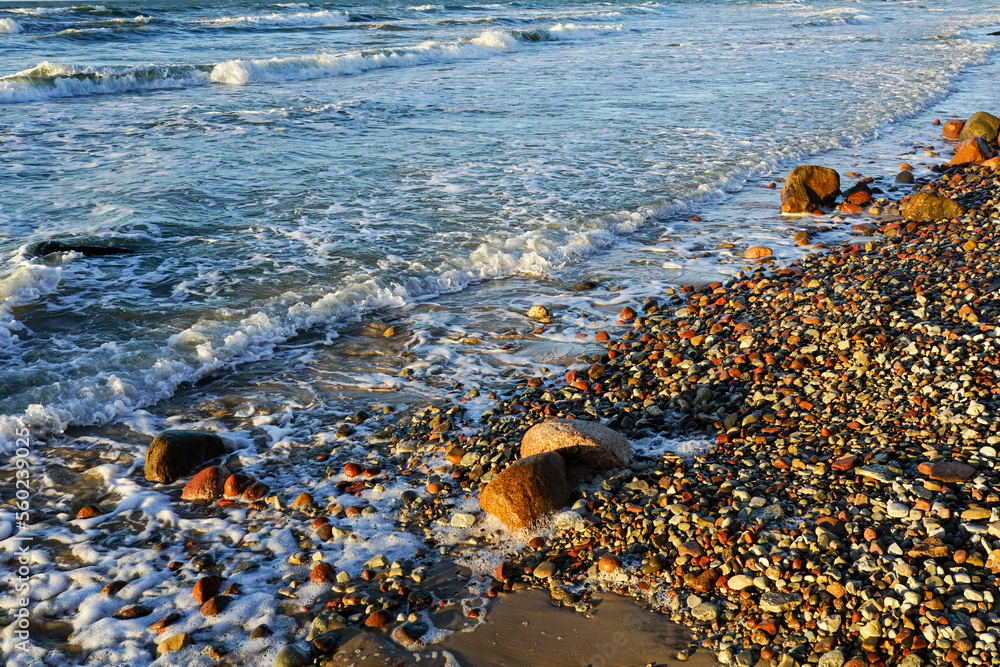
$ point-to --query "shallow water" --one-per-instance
(286, 170)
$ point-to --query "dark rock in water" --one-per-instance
(43, 248)
(175, 453)
(809, 187)
(419, 600)
(410, 635)
(904, 177)
(982, 125)
(583, 286)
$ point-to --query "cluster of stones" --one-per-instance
(850, 511)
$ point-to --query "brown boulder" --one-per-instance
(208, 484)
(982, 125)
(952, 129)
(175, 453)
(528, 489)
(972, 151)
(925, 207)
(809, 187)
(582, 442)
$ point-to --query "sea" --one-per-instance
(287, 221)
(286, 180)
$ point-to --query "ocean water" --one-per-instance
(290, 178)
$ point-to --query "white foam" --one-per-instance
(27, 283)
(569, 31)
(9, 27)
(318, 19)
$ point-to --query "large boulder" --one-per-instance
(174, 454)
(982, 125)
(925, 207)
(578, 441)
(971, 151)
(527, 490)
(809, 187)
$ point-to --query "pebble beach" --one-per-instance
(535, 333)
(811, 478)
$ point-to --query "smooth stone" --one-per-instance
(527, 490)
(739, 582)
(832, 659)
(544, 570)
(579, 442)
(705, 612)
(462, 520)
(292, 656)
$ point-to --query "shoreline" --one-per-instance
(781, 547)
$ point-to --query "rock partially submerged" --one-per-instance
(208, 484)
(527, 490)
(175, 453)
(579, 442)
(808, 188)
(982, 125)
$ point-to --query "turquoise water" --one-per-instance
(283, 172)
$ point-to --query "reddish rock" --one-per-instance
(860, 198)
(949, 471)
(302, 500)
(845, 463)
(352, 470)
(836, 589)
(323, 573)
(208, 484)
(705, 582)
(952, 129)
(216, 605)
(504, 571)
(692, 549)
(378, 619)
(527, 490)
(809, 187)
(88, 512)
(932, 547)
(131, 611)
(236, 484)
(582, 442)
(256, 491)
(782, 463)
(757, 252)
(455, 455)
(207, 588)
(609, 564)
(627, 314)
(849, 208)
(971, 151)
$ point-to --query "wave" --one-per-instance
(54, 80)
(319, 19)
(210, 345)
(49, 80)
(9, 27)
(240, 72)
(43, 11)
